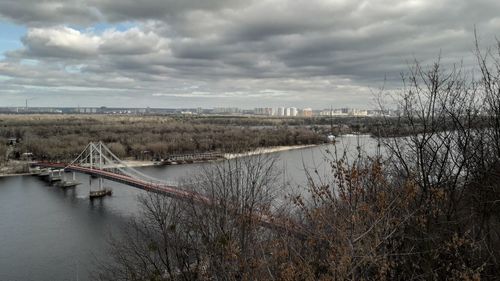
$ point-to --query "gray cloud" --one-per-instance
(125, 10)
(305, 53)
(49, 12)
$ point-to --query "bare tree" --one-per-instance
(443, 144)
(223, 240)
(3, 151)
(405, 215)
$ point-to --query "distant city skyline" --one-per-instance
(259, 111)
(180, 53)
(268, 109)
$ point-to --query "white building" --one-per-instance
(360, 112)
(263, 111)
(344, 112)
(307, 112)
(281, 111)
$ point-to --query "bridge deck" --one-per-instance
(170, 191)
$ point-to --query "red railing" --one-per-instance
(148, 186)
(265, 220)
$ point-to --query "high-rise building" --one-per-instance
(281, 111)
(307, 112)
(293, 111)
(263, 111)
(226, 110)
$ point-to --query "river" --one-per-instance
(47, 233)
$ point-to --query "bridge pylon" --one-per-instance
(94, 157)
(97, 156)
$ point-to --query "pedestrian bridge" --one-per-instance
(99, 161)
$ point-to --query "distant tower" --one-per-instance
(26, 104)
(331, 120)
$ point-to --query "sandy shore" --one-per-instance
(263, 150)
(266, 150)
(138, 163)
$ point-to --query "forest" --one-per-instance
(62, 137)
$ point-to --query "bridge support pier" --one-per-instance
(101, 192)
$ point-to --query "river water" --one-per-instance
(47, 233)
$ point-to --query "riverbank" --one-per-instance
(227, 156)
(14, 168)
(15, 175)
(9, 171)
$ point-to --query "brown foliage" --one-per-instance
(3, 151)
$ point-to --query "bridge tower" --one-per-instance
(100, 162)
(93, 157)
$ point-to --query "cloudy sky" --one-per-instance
(245, 53)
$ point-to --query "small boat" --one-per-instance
(100, 193)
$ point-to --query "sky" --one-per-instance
(220, 53)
